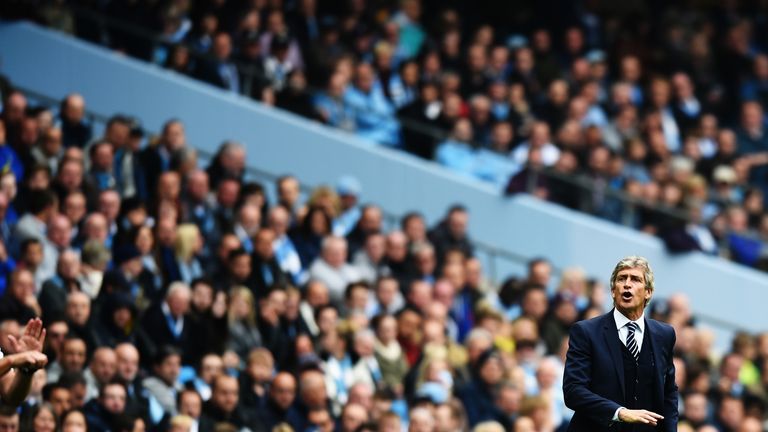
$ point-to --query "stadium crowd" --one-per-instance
(178, 298)
(663, 102)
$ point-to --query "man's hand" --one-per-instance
(32, 339)
(28, 359)
(639, 416)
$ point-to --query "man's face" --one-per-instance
(60, 400)
(263, 244)
(353, 416)
(283, 392)
(127, 363)
(190, 404)
(34, 255)
(225, 394)
(629, 292)
(104, 365)
(113, 398)
(9, 423)
(178, 303)
(321, 419)
(288, 191)
(60, 231)
(78, 393)
(109, 204)
(73, 355)
(74, 208)
(241, 266)
(169, 369)
(509, 400)
(78, 309)
(23, 285)
(212, 366)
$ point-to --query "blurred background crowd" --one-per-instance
(180, 295)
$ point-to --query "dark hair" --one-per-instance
(236, 253)
(71, 379)
(163, 353)
(205, 280)
(306, 224)
(408, 217)
(118, 119)
(49, 388)
(322, 309)
(40, 200)
(27, 243)
(457, 208)
(187, 389)
(94, 148)
(111, 382)
(351, 287)
(27, 421)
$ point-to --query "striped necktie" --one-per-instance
(631, 342)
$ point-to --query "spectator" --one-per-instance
(219, 71)
(373, 114)
(451, 233)
(103, 414)
(72, 359)
(279, 406)
(127, 372)
(76, 130)
(223, 406)
(332, 269)
(53, 296)
(167, 324)
(266, 272)
(242, 322)
(163, 385)
(101, 371)
(19, 302)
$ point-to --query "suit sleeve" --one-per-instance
(577, 381)
(670, 389)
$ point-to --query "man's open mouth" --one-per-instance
(626, 295)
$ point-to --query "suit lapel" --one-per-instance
(612, 340)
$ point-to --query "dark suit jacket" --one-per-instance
(593, 384)
(155, 325)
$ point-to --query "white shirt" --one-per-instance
(621, 326)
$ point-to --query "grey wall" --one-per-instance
(54, 64)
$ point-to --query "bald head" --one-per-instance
(312, 386)
(283, 390)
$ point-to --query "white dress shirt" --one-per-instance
(621, 326)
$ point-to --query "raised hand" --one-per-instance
(32, 339)
(639, 416)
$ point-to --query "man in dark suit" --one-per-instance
(167, 323)
(619, 373)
